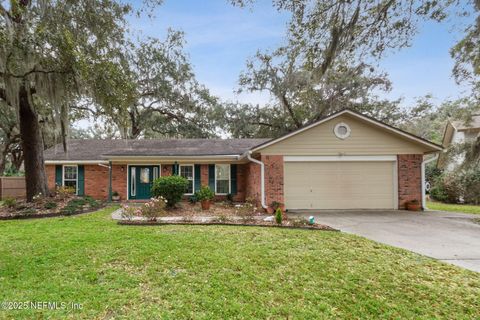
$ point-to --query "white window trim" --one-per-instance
(229, 179)
(63, 176)
(193, 176)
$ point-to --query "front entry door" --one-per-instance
(140, 180)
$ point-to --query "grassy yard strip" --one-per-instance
(453, 207)
(210, 272)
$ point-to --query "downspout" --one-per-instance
(425, 162)
(262, 177)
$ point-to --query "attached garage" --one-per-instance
(344, 161)
(347, 184)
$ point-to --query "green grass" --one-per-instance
(453, 207)
(213, 272)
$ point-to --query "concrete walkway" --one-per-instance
(446, 236)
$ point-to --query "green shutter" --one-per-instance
(233, 179)
(211, 176)
(81, 181)
(175, 169)
(58, 175)
(198, 178)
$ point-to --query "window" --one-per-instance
(222, 178)
(70, 177)
(186, 171)
(145, 175)
(342, 130)
(133, 183)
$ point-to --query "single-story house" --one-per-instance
(344, 161)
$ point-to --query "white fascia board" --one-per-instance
(337, 158)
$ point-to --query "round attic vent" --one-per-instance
(342, 130)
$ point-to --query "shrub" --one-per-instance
(205, 193)
(10, 202)
(50, 205)
(471, 185)
(300, 222)
(65, 192)
(171, 188)
(448, 188)
(115, 194)
(154, 208)
(437, 193)
(278, 216)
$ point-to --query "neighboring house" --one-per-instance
(458, 132)
(344, 161)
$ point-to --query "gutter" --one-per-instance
(248, 154)
(425, 162)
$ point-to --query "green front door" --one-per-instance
(140, 180)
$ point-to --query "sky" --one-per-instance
(221, 37)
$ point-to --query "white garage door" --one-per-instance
(340, 185)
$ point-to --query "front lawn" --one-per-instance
(432, 205)
(212, 272)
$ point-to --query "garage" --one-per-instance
(346, 184)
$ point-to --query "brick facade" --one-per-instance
(273, 179)
(96, 180)
(252, 183)
(409, 178)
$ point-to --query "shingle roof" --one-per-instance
(473, 124)
(97, 149)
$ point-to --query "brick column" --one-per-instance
(273, 178)
(204, 175)
(119, 180)
(409, 178)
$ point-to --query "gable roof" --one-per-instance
(403, 134)
(474, 123)
(102, 149)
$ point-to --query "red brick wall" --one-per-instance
(252, 182)
(119, 180)
(409, 178)
(204, 175)
(50, 170)
(96, 181)
(273, 179)
(166, 170)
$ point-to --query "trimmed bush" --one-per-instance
(171, 188)
(10, 202)
(205, 193)
(471, 185)
(50, 205)
(278, 216)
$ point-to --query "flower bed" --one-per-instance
(63, 203)
(222, 213)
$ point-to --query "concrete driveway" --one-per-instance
(446, 236)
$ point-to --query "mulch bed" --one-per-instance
(49, 215)
(216, 223)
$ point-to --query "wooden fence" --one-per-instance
(13, 187)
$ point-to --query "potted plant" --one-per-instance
(205, 195)
(115, 196)
(414, 205)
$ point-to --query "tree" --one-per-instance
(53, 53)
(10, 152)
(328, 62)
(168, 100)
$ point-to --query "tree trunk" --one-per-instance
(32, 144)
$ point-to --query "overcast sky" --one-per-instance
(221, 37)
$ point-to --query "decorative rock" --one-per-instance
(269, 218)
